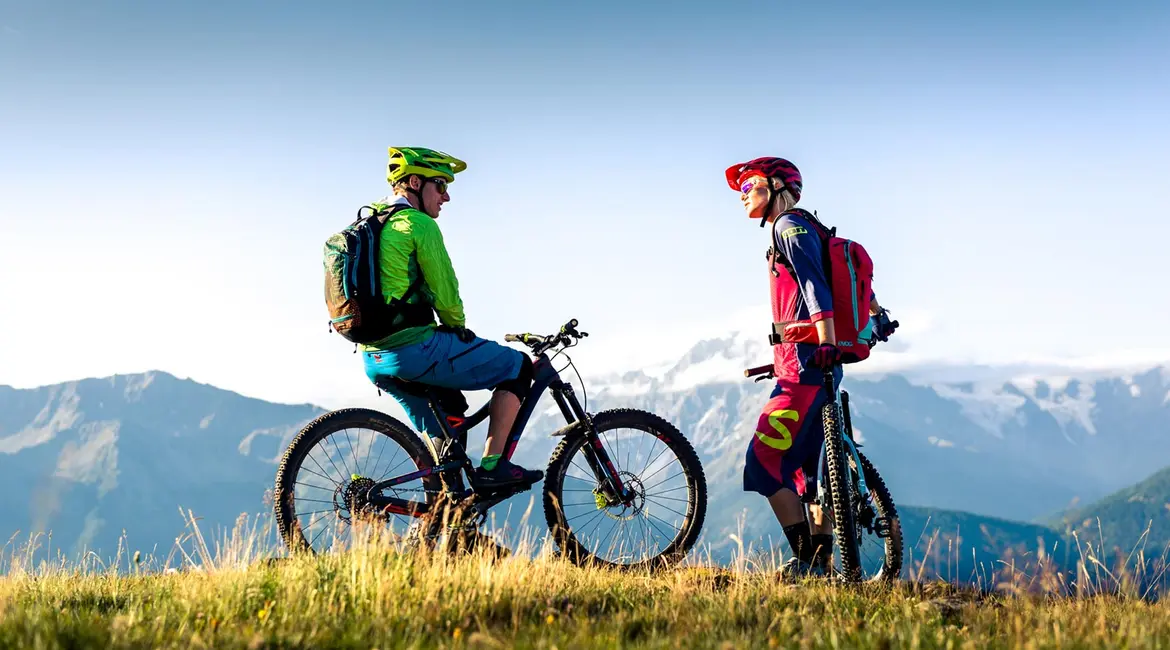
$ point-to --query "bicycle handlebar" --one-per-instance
(766, 372)
(758, 370)
(540, 344)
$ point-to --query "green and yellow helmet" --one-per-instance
(427, 163)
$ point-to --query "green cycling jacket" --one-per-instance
(412, 244)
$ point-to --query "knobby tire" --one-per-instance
(696, 508)
(839, 494)
(317, 430)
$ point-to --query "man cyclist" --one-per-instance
(783, 454)
(444, 354)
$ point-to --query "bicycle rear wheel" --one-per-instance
(330, 466)
(867, 532)
(664, 519)
(879, 531)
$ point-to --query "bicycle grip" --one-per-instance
(758, 370)
(511, 338)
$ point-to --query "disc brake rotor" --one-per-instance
(615, 508)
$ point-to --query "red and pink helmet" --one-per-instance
(768, 167)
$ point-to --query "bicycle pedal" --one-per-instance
(883, 527)
(506, 492)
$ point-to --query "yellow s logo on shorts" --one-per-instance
(784, 441)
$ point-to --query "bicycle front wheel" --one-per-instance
(654, 528)
(875, 518)
(840, 497)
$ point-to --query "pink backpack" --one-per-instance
(849, 270)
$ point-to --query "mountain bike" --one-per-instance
(619, 470)
(850, 490)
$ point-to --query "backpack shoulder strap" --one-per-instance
(775, 256)
(823, 232)
(382, 215)
(381, 218)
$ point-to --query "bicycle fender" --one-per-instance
(566, 430)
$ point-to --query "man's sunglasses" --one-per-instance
(440, 184)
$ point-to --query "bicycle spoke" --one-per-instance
(680, 473)
(317, 535)
(671, 510)
(314, 486)
(330, 457)
(659, 496)
(598, 511)
(388, 473)
(323, 475)
(652, 446)
(314, 501)
(352, 452)
(651, 516)
(378, 462)
(590, 473)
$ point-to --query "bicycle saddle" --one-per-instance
(450, 400)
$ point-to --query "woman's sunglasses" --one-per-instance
(750, 185)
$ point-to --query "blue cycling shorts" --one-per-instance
(443, 360)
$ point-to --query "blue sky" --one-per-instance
(169, 171)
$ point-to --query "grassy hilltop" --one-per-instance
(378, 597)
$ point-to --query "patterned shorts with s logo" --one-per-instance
(785, 448)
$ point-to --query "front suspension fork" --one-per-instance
(603, 469)
(598, 459)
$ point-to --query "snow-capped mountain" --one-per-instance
(1017, 442)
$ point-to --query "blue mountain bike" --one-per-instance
(866, 529)
(623, 487)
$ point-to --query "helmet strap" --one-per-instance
(771, 201)
(773, 195)
(419, 194)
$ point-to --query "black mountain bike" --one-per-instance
(623, 487)
(867, 533)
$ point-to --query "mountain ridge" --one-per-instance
(69, 447)
(96, 456)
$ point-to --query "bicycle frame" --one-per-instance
(453, 456)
